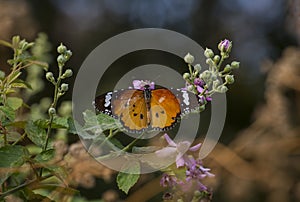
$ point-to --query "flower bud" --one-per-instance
(229, 79)
(68, 73)
(227, 68)
(198, 82)
(61, 49)
(225, 46)
(222, 89)
(197, 67)
(64, 87)
(216, 59)
(68, 54)
(189, 58)
(186, 76)
(61, 59)
(49, 76)
(216, 84)
(235, 65)
(51, 111)
(209, 61)
(208, 53)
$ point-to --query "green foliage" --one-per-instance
(12, 156)
(17, 123)
(128, 176)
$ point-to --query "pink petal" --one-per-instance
(169, 140)
(195, 148)
(137, 84)
(179, 161)
(166, 152)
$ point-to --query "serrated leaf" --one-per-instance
(45, 156)
(11, 156)
(9, 112)
(13, 136)
(14, 102)
(36, 133)
(60, 122)
(126, 179)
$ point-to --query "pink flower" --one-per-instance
(141, 84)
(178, 149)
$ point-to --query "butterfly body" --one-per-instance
(148, 109)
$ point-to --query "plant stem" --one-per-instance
(132, 143)
(2, 195)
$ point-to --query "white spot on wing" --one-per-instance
(107, 99)
(185, 96)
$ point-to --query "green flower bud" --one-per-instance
(68, 54)
(206, 76)
(213, 76)
(229, 79)
(235, 65)
(64, 87)
(51, 111)
(227, 68)
(216, 84)
(61, 49)
(222, 89)
(208, 53)
(49, 76)
(209, 61)
(61, 59)
(186, 76)
(189, 58)
(2, 74)
(216, 59)
(197, 67)
(68, 73)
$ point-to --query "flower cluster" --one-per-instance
(188, 173)
(206, 83)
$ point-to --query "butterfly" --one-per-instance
(146, 108)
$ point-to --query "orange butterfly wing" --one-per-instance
(164, 109)
(130, 107)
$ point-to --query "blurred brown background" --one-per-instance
(259, 152)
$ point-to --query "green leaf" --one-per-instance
(60, 122)
(5, 43)
(11, 156)
(14, 102)
(30, 196)
(13, 77)
(18, 83)
(127, 177)
(45, 156)
(76, 128)
(13, 136)
(17, 124)
(35, 133)
(9, 112)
